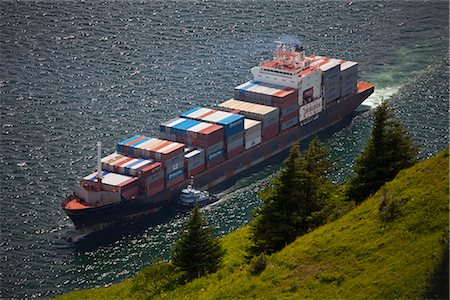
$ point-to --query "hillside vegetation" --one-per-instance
(388, 247)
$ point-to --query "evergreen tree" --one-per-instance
(197, 252)
(319, 165)
(388, 151)
(291, 199)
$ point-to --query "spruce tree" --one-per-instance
(291, 199)
(197, 252)
(319, 165)
(388, 151)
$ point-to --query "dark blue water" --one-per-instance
(73, 73)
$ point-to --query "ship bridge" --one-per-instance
(286, 67)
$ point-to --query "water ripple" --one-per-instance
(74, 73)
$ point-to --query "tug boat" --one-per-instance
(189, 197)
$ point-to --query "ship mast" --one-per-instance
(99, 166)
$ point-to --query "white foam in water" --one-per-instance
(379, 95)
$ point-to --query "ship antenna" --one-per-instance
(191, 181)
(99, 166)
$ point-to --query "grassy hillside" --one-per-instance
(388, 247)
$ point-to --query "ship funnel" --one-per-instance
(99, 160)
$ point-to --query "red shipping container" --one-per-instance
(174, 181)
(196, 171)
(270, 131)
(135, 140)
(150, 170)
(216, 161)
(214, 134)
(154, 187)
(235, 151)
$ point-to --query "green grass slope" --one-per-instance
(388, 247)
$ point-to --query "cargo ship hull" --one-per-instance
(127, 210)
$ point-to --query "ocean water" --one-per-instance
(73, 73)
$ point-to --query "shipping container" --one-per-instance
(236, 137)
(252, 127)
(235, 147)
(330, 71)
(174, 177)
(331, 94)
(251, 142)
(331, 90)
(270, 131)
(265, 93)
(232, 123)
(115, 165)
(154, 187)
(348, 91)
(348, 68)
(150, 148)
(215, 158)
(288, 123)
(252, 135)
(268, 115)
(192, 132)
(195, 162)
(289, 109)
(127, 186)
(152, 173)
(215, 154)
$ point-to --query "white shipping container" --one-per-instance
(262, 88)
(251, 126)
(111, 179)
(195, 159)
(331, 65)
(133, 170)
(252, 135)
(252, 142)
(111, 158)
(349, 66)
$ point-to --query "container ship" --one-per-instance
(291, 97)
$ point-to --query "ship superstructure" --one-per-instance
(291, 97)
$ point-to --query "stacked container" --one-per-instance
(331, 81)
(194, 162)
(268, 116)
(233, 125)
(149, 172)
(124, 165)
(269, 94)
(170, 154)
(199, 134)
(252, 133)
(152, 178)
(349, 78)
(126, 186)
(317, 61)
